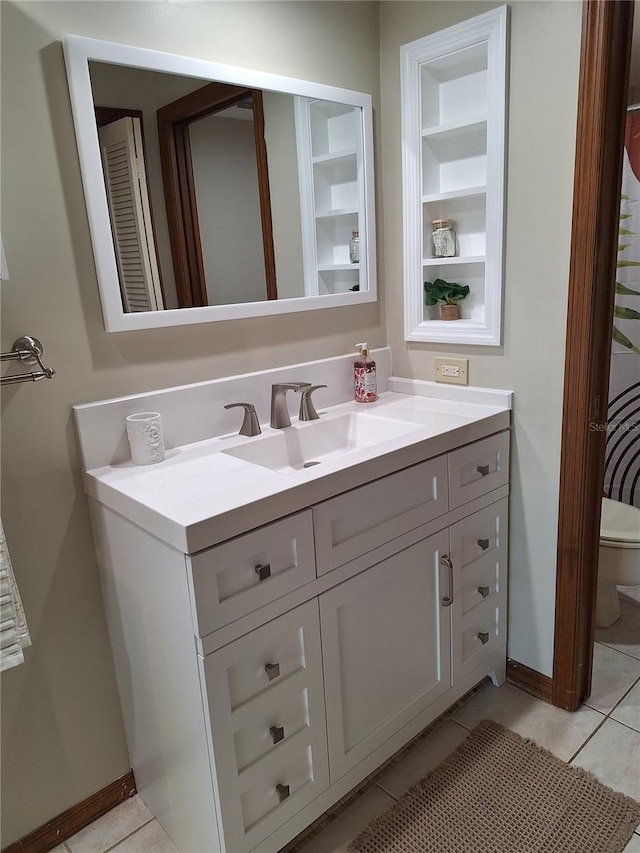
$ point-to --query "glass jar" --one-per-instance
(443, 238)
(354, 248)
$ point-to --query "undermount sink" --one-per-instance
(306, 444)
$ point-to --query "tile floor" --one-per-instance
(602, 736)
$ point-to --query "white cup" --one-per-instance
(144, 431)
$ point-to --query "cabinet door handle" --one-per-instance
(483, 470)
(483, 543)
(272, 670)
(264, 571)
(277, 733)
(484, 591)
(483, 637)
(447, 601)
(282, 792)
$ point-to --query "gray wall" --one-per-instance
(61, 725)
(62, 736)
(543, 79)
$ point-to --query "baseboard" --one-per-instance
(530, 680)
(72, 820)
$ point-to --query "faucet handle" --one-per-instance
(307, 409)
(250, 425)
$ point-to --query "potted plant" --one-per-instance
(447, 295)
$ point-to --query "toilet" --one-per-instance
(619, 560)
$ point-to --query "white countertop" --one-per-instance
(200, 496)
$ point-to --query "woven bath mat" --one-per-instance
(500, 793)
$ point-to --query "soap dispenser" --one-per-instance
(364, 376)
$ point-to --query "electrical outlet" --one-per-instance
(452, 370)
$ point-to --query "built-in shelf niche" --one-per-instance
(331, 173)
(454, 126)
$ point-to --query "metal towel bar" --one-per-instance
(29, 350)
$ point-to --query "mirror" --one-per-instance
(216, 192)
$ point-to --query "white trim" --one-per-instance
(489, 28)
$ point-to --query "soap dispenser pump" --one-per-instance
(364, 376)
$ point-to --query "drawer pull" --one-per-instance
(264, 571)
(272, 670)
(447, 601)
(277, 733)
(483, 543)
(484, 591)
(483, 470)
(483, 637)
(282, 792)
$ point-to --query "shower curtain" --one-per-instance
(622, 472)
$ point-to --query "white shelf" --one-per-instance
(455, 129)
(456, 261)
(453, 86)
(334, 214)
(466, 192)
(337, 267)
(348, 154)
(334, 169)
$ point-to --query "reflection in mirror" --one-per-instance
(230, 192)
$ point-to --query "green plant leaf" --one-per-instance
(624, 232)
(623, 246)
(624, 197)
(625, 313)
(626, 215)
(624, 341)
(623, 290)
(628, 263)
(444, 291)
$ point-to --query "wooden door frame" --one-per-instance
(174, 121)
(602, 97)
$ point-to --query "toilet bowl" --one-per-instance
(619, 559)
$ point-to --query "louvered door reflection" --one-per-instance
(130, 213)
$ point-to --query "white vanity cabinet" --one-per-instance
(264, 677)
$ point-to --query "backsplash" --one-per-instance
(196, 412)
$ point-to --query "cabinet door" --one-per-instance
(478, 612)
(386, 650)
(266, 708)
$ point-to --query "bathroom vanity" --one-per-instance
(280, 631)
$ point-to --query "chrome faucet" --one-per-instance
(279, 411)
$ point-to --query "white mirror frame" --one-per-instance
(78, 52)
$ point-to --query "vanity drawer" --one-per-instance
(271, 723)
(239, 576)
(483, 631)
(365, 518)
(478, 468)
(479, 554)
(274, 793)
(267, 733)
(283, 651)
